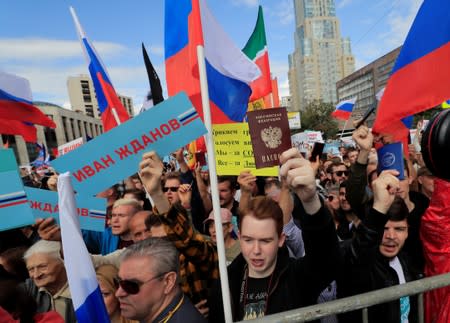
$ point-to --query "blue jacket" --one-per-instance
(100, 242)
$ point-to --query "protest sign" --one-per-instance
(270, 135)
(14, 208)
(294, 120)
(332, 148)
(91, 210)
(234, 152)
(109, 158)
(71, 145)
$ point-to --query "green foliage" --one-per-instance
(317, 116)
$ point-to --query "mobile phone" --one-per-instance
(316, 151)
(367, 114)
(200, 158)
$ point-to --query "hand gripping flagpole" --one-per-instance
(214, 186)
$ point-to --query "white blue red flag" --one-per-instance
(344, 109)
(86, 295)
(16, 101)
(416, 83)
(111, 108)
(229, 70)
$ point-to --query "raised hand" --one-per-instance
(384, 189)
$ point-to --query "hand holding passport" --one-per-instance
(391, 157)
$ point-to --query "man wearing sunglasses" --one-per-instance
(339, 172)
(148, 289)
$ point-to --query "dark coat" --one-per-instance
(366, 269)
(296, 282)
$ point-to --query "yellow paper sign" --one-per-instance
(234, 151)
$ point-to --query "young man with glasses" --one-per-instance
(148, 289)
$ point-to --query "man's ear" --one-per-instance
(281, 240)
(170, 281)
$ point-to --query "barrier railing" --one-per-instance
(361, 301)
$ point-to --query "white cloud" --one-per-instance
(248, 3)
(399, 22)
(344, 3)
(157, 50)
(39, 49)
(284, 11)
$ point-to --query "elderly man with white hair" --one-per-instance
(48, 280)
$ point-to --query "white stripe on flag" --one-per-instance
(80, 271)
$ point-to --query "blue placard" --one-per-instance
(115, 155)
(391, 157)
(91, 210)
(15, 211)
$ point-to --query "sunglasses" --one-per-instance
(341, 172)
(133, 287)
(172, 189)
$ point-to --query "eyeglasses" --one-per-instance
(133, 287)
(171, 188)
(341, 172)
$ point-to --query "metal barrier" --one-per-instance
(361, 301)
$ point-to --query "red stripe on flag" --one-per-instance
(415, 88)
(190, 120)
(13, 203)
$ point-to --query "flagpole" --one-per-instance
(214, 185)
(343, 129)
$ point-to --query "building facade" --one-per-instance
(70, 125)
(82, 95)
(365, 83)
(83, 98)
(321, 57)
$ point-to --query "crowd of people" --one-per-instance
(323, 229)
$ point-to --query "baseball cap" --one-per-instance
(225, 214)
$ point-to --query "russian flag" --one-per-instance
(229, 71)
(14, 127)
(86, 296)
(416, 83)
(16, 102)
(344, 109)
(112, 111)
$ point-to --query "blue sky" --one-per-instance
(38, 38)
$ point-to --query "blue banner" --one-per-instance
(91, 210)
(115, 155)
(15, 211)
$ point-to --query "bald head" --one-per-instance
(137, 226)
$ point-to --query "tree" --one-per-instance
(317, 116)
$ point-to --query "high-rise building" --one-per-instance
(84, 99)
(82, 95)
(127, 103)
(321, 57)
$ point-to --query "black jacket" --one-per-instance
(361, 205)
(297, 282)
(366, 269)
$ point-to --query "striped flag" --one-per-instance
(344, 109)
(16, 102)
(113, 112)
(86, 296)
(256, 50)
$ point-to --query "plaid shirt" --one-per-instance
(199, 264)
